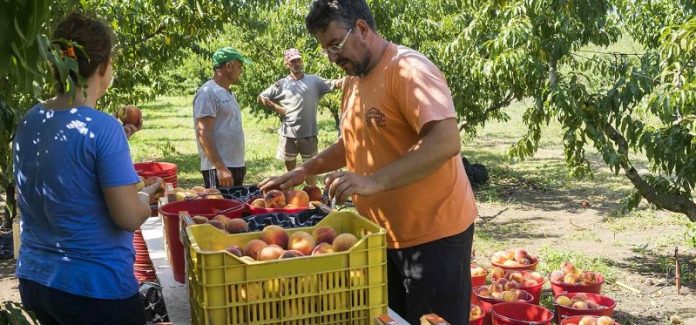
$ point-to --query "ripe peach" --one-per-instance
(557, 276)
(512, 285)
(478, 271)
(222, 218)
(314, 192)
(570, 278)
(498, 258)
(588, 320)
(290, 254)
(564, 301)
(302, 241)
(212, 193)
(521, 253)
(129, 114)
(200, 220)
(510, 296)
(197, 190)
(529, 283)
(605, 320)
(522, 261)
(298, 198)
(587, 278)
(579, 305)
(580, 297)
(217, 224)
(536, 276)
(253, 247)
(235, 250)
(568, 267)
(496, 287)
(344, 242)
(509, 254)
(497, 295)
(497, 273)
(236, 225)
(322, 248)
(591, 304)
(270, 252)
(274, 199)
(475, 312)
(324, 234)
(258, 203)
(484, 292)
(516, 276)
(511, 263)
(275, 235)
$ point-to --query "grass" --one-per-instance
(168, 136)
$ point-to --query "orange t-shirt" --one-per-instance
(382, 114)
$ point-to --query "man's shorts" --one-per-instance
(289, 148)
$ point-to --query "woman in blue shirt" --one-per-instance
(77, 195)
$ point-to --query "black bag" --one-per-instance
(153, 301)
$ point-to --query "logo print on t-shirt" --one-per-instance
(374, 118)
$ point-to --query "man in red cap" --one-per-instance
(295, 98)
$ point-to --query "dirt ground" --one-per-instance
(565, 225)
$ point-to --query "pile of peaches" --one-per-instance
(274, 243)
(196, 192)
(571, 275)
(288, 199)
(475, 312)
(504, 290)
(579, 301)
(223, 222)
(592, 320)
(513, 258)
(516, 279)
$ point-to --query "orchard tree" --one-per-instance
(151, 38)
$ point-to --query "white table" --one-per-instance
(175, 293)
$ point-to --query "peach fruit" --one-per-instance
(564, 301)
(322, 248)
(274, 199)
(344, 242)
(314, 192)
(222, 218)
(236, 225)
(258, 203)
(253, 247)
(270, 252)
(324, 234)
(275, 235)
(301, 241)
(129, 114)
(605, 320)
(579, 305)
(587, 320)
(235, 250)
(290, 254)
(475, 312)
(199, 219)
(298, 198)
(217, 224)
(497, 273)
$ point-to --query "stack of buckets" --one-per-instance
(143, 268)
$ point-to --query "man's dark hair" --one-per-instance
(95, 38)
(346, 12)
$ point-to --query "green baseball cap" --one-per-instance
(226, 54)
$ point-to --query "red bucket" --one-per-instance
(529, 267)
(487, 303)
(607, 305)
(534, 290)
(479, 319)
(165, 170)
(520, 313)
(576, 319)
(477, 281)
(559, 287)
(208, 208)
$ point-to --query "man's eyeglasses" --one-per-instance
(336, 49)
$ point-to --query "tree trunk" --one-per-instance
(666, 201)
(10, 209)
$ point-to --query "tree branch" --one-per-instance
(493, 107)
(670, 202)
(159, 30)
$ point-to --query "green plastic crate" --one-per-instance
(340, 288)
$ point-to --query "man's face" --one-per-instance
(234, 71)
(352, 55)
(295, 65)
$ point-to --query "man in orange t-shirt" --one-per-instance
(400, 144)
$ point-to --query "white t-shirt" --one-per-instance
(220, 103)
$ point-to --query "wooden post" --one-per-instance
(677, 270)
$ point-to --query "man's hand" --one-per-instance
(224, 177)
(282, 111)
(130, 129)
(343, 185)
(294, 177)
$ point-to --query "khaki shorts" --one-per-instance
(289, 148)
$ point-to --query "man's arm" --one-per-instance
(439, 141)
(329, 159)
(265, 101)
(206, 138)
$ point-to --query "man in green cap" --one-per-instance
(218, 122)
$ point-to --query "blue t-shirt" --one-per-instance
(63, 159)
